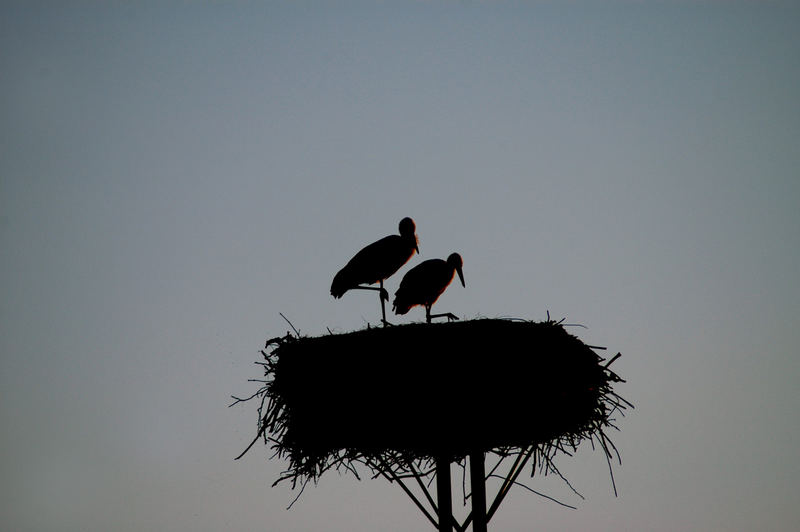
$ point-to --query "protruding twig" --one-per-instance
(260, 433)
(240, 400)
(290, 324)
(612, 359)
(515, 483)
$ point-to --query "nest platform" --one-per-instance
(413, 394)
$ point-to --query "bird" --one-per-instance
(424, 283)
(377, 262)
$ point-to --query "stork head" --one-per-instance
(407, 229)
(455, 262)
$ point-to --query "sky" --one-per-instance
(175, 175)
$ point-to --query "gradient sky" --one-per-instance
(173, 175)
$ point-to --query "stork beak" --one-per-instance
(461, 276)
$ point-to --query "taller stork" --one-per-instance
(424, 283)
(377, 262)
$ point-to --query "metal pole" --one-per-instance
(477, 477)
(443, 496)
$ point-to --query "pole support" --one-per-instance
(444, 497)
(477, 477)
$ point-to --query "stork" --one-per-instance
(424, 283)
(377, 262)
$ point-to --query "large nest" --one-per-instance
(398, 398)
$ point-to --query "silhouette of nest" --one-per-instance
(396, 398)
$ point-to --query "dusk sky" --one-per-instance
(173, 175)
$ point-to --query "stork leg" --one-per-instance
(450, 316)
(383, 295)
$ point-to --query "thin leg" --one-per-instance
(448, 315)
(381, 293)
(359, 287)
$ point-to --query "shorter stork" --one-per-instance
(377, 262)
(424, 283)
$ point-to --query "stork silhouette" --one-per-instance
(377, 262)
(424, 283)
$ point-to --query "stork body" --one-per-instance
(377, 262)
(424, 283)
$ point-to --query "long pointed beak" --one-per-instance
(461, 276)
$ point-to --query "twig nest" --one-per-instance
(421, 391)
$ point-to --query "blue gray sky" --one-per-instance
(174, 175)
